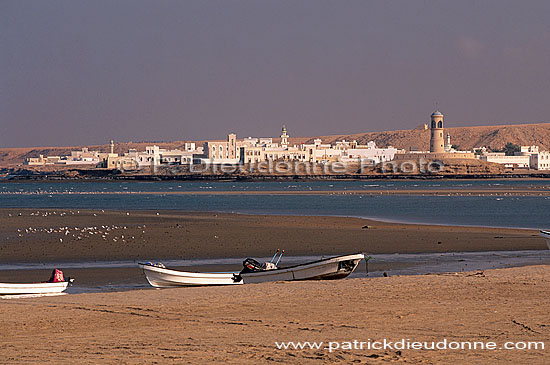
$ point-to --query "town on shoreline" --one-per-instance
(263, 158)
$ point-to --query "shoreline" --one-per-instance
(405, 192)
(280, 214)
(77, 235)
(115, 276)
(109, 175)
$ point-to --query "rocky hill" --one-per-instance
(465, 138)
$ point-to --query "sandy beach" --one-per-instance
(240, 324)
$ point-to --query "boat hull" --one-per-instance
(33, 288)
(328, 269)
(546, 235)
(165, 278)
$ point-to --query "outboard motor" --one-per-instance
(251, 265)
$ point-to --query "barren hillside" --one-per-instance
(465, 138)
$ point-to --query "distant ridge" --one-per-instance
(464, 137)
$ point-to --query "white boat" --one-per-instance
(326, 269)
(161, 277)
(546, 234)
(33, 288)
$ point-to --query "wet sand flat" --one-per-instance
(53, 235)
(240, 324)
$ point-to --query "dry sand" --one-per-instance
(240, 324)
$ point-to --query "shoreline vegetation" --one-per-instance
(57, 235)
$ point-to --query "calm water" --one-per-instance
(167, 186)
(106, 276)
(497, 211)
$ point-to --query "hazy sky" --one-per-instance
(82, 72)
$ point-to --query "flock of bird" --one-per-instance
(116, 233)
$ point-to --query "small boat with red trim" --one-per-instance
(56, 284)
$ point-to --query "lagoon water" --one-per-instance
(497, 210)
(104, 276)
(172, 186)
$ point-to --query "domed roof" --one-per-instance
(437, 113)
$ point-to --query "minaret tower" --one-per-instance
(112, 147)
(437, 144)
(284, 137)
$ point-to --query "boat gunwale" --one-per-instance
(186, 273)
(39, 284)
(9, 289)
(304, 265)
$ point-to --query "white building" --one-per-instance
(221, 152)
(254, 150)
(82, 157)
(529, 149)
(37, 161)
(155, 156)
(540, 160)
(370, 152)
(266, 150)
(519, 159)
(507, 161)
